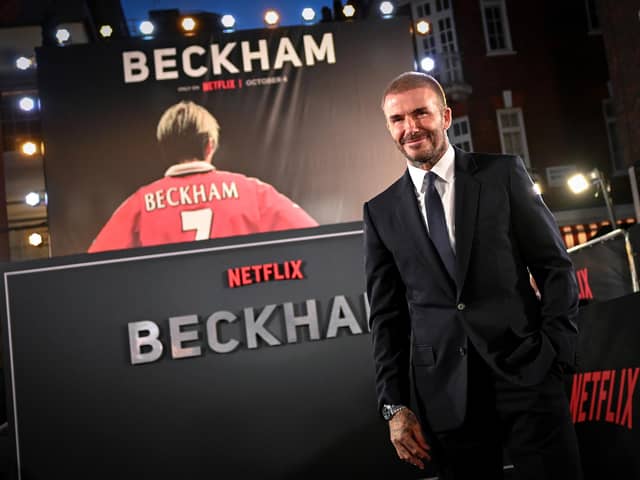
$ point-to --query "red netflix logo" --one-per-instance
(604, 395)
(266, 272)
(582, 276)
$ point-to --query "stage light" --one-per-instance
(308, 14)
(427, 64)
(29, 148)
(106, 31)
(228, 21)
(146, 27)
(32, 199)
(578, 183)
(423, 27)
(24, 63)
(63, 36)
(27, 104)
(386, 9)
(348, 11)
(35, 239)
(188, 24)
(271, 18)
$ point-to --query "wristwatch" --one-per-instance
(388, 411)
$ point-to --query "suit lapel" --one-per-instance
(415, 228)
(467, 195)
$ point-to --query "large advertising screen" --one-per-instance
(152, 141)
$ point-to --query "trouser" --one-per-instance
(532, 424)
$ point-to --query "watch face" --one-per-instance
(386, 412)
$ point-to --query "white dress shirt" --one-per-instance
(445, 185)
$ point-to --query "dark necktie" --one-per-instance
(438, 224)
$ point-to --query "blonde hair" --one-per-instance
(184, 131)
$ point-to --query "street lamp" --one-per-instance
(579, 183)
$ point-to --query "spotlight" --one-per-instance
(308, 14)
(35, 239)
(423, 27)
(386, 9)
(188, 24)
(427, 64)
(146, 27)
(228, 21)
(537, 188)
(348, 11)
(29, 148)
(27, 104)
(106, 31)
(24, 63)
(63, 36)
(578, 183)
(271, 18)
(32, 199)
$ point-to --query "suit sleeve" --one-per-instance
(389, 319)
(541, 245)
(121, 230)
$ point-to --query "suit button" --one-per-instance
(462, 351)
(461, 306)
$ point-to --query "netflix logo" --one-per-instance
(582, 275)
(605, 395)
(266, 272)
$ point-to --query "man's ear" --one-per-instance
(209, 150)
(447, 118)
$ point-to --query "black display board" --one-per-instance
(252, 395)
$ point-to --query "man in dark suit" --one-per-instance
(455, 322)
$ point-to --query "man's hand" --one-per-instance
(407, 438)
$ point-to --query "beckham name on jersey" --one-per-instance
(189, 195)
(195, 63)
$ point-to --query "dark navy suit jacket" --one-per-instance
(422, 320)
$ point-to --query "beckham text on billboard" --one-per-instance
(196, 61)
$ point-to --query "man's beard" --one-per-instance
(423, 159)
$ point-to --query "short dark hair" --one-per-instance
(410, 81)
(185, 129)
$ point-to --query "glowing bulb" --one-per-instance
(35, 239)
(228, 21)
(427, 64)
(23, 63)
(29, 148)
(423, 27)
(308, 14)
(387, 8)
(27, 104)
(63, 35)
(188, 24)
(32, 199)
(146, 27)
(271, 18)
(578, 183)
(106, 31)
(348, 11)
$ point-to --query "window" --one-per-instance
(593, 21)
(460, 133)
(513, 139)
(615, 149)
(496, 27)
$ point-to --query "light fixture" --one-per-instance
(29, 148)
(427, 64)
(106, 31)
(537, 188)
(146, 27)
(24, 63)
(579, 182)
(35, 239)
(63, 35)
(27, 104)
(32, 199)
(188, 24)
(348, 11)
(423, 27)
(271, 18)
(386, 9)
(308, 14)
(228, 21)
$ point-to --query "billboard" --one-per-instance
(301, 139)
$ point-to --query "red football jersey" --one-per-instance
(195, 202)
